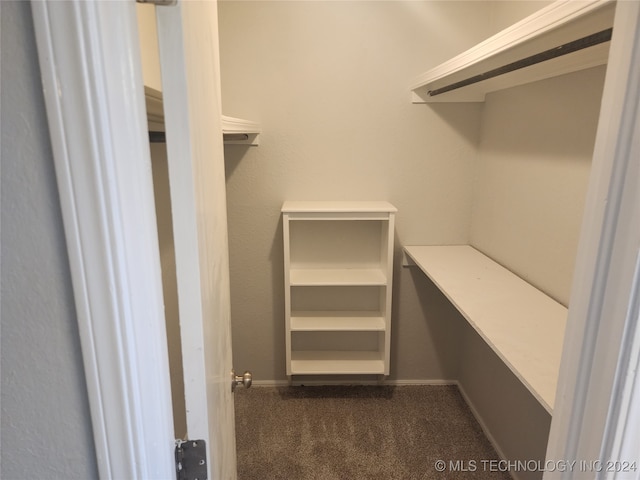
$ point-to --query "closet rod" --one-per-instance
(157, 137)
(574, 46)
(160, 137)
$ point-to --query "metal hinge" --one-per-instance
(159, 2)
(191, 460)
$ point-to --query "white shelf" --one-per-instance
(330, 321)
(520, 323)
(313, 208)
(557, 24)
(337, 362)
(235, 131)
(337, 277)
(238, 131)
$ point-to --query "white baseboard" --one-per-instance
(486, 430)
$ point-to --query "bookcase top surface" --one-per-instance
(337, 206)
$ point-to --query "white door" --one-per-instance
(188, 47)
(95, 106)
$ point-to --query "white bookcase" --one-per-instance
(338, 270)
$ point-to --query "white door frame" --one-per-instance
(95, 107)
(597, 412)
(94, 96)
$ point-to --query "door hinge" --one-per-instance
(191, 460)
(159, 2)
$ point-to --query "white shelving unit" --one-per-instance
(522, 325)
(338, 264)
(558, 24)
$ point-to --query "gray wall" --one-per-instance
(532, 172)
(45, 425)
(329, 83)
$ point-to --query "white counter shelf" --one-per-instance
(522, 325)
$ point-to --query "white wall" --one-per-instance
(329, 83)
(46, 428)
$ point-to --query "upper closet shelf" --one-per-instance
(238, 131)
(564, 37)
(235, 131)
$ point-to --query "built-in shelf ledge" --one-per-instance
(561, 25)
(337, 321)
(522, 325)
(338, 363)
(235, 131)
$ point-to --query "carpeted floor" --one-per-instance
(359, 432)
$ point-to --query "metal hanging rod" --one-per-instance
(157, 137)
(160, 137)
(574, 46)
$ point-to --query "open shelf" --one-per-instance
(238, 131)
(353, 321)
(559, 24)
(522, 325)
(337, 277)
(336, 362)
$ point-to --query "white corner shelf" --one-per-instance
(522, 325)
(557, 24)
(338, 269)
(235, 131)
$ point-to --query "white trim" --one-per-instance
(95, 106)
(595, 375)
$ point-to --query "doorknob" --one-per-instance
(244, 379)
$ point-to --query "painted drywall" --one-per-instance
(532, 173)
(46, 427)
(506, 13)
(329, 83)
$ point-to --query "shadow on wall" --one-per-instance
(427, 327)
(463, 118)
(233, 154)
(276, 258)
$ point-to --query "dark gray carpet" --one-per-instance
(358, 432)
